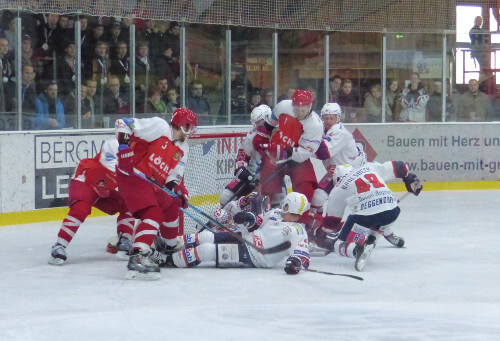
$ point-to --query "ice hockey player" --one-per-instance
(289, 150)
(94, 185)
(361, 199)
(157, 152)
(248, 160)
(278, 226)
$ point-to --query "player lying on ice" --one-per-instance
(94, 185)
(361, 200)
(278, 226)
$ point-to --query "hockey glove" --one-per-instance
(276, 152)
(125, 159)
(245, 219)
(182, 195)
(262, 136)
(242, 159)
(413, 184)
(293, 265)
(243, 174)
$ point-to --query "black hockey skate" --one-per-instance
(58, 254)
(395, 240)
(141, 266)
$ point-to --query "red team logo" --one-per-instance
(257, 241)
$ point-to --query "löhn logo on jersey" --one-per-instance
(159, 163)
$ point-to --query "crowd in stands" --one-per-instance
(48, 54)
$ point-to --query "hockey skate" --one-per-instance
(58, 254)
(395, 240)
(124, 248)
(161, 259)
(141, 266)
(161, 246)
(363, 253)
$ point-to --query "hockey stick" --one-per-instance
(334, 274)
(280, 247)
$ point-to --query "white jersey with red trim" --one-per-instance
(255, 156)
(275, 231)
(340, 148)
(107, 157)
(364, 191)
(312, 126)
(150, 129)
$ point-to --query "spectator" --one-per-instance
(348, 101)
(85, 39)
(88, 120)
(268, 98)
(114, 36)
(10, 32)
(166, 66)
(125, 29)
(97, 69)
(26, 50)
(119, 65)
(155, 104)
(94, 102)
(198, 104)
(173, 38)
(162, 85)
(28, 91)
(48, 38)
(65, 68)
(373, 104)
(159, 41)
(413, 100)
(255, 100)
(114, 102)
(435, 104)
(143, 72)
(49, 109)
(173, 101)
(148, 33)
(287, 93)
(7, 86)
(391, 96)
(474, 105)
(334, 92)
(480, 44)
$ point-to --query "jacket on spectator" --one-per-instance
(43, 113)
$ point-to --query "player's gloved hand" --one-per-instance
(125, 159)
(262, 136)
(276, 152)
(182, 195)
(245, 219)
(242, 159)
(413, 184)
(293, 265)
(243, 174)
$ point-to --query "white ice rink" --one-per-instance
(444, 285)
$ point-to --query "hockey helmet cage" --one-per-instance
(340, 172)
(331, 109)
(296, 203)
(261, 112)
(122, 131)
(302, 98)
(185, 119)
(223, 217)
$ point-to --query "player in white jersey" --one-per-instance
(278, 226)
(361, 200)
(337, 148)
(248, 160)
(289, 149)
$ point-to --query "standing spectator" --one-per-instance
(114, 102)
(334, 92)
(49, 109)
(119, 65)
(348, 101)
(198, 104)
(166, 66)
(114, 36)
(391, 96)
(143, 72)
(125, 29)
(26, 50)
(65, 68)
(413, 100)
(97, 69)
(7, 86)
(173, 37)
(373, 104)
(268, 98)
(28, 91)
(173, 101)
(48, 38)
(148, 33)
(159, 41)
(87, 117)
(480, 44)
(85, 39)
(435, 104)
(474, 105)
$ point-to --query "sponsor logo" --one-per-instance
(257, 241)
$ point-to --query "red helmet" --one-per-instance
(185, 119)
(302, 98)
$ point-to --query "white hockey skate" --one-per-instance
(395, 240)
(58, 254)
(363, 253)
(141, 266)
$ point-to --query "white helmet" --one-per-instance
(340, 172)
(296, 203)
(122, 131)
(331, 109)
(261, 112)
(223, 217)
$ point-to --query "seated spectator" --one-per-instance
(94, 103)
(173, 101)
(7, 85)
(88, 120)
(49, 109)
(474, 105)
(255, 100)
(198, 104)
(148, 33)
(155, 105)
(413, 100)
(26, 50)
(119, 65)
(159, 41)
(97, 69)
(391, 94)
(163, 85)
(373, 104)
(348, 101)
(48, 38)
(268, 98)
(334, 91)
(28, 91)
(143, 72)
(65, 68)
(239, 107)
(287, 93)
(114, 102)
(435, 104)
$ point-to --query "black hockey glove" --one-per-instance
(413, 184)
(243, 174)
(293, 265)
(246, 219)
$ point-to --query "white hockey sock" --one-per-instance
(194, 256)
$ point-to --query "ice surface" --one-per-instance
(444, 285)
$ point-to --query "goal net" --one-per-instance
(210, 167)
